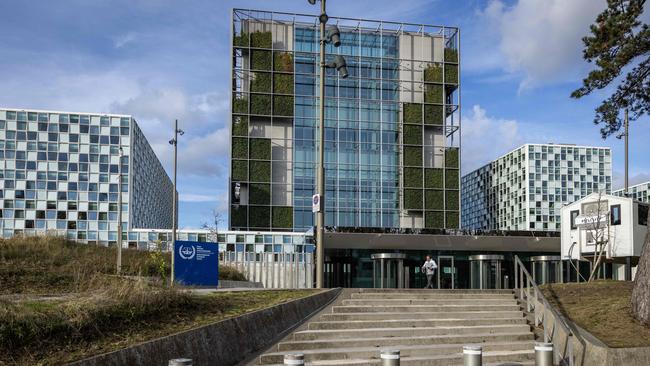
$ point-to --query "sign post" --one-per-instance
(196, 263)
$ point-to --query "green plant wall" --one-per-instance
(259, 216)
(451, 157)
(413, 177)
(261, 82)
(283, 83)
(433, 178)
(240, 104)
(434, 93)
(434, 220)
(412, 135)
(451, 55)
(259, 194)
(433, 115)
(452, 220)
(451, 179)
(451, 74)
(412, 113)
(283, 61)
(260, 171)
(240, 126)
(413, 199)
(241, 40)
(240, 170)
(282, 105)
(261, 39)
(433, 73)
(239, 148)
(282, 217)
(413, 156)
(238, 215)
(451, 200)
(433, 200)
(261, 60)
(260, 149)
(261, 104)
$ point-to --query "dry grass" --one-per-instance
(603, 309)
(88, 310)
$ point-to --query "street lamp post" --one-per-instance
(339, 64)
(174, 142)
(119, 213)
(626, 135)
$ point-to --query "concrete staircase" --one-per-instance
(429, 327)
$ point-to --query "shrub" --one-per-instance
(259, 194)
(451, 178)
(412, 135)
(433, 74)
(283, 83)
(434, 93)
(260, 149)
(261, 82)
(282, 105)
(229, 273)
(240, 170)
(239, 104)
(260, 171)
(452, 220)
(261, 60)
(413, 156)
(412, 113)
(240, 126)
(451, 200)
(434, 220)
(433, 115)
(433, 200)
(413, 177)
(412, 199)
(282, 217)
(283, 61)
(239, 148)
(433, 178)
(241, 40)
(261, 104)
(451, 74)
(451, 54)
(261, 39)
(451, 157)
(259, 216)
(238, 215)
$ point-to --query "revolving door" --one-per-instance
(486, 271)
(388, 270)
(547, 269)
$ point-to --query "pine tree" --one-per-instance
(619, 42)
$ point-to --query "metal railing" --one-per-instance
(528, 291)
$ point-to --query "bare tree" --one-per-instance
(213, 226)
(597, 225)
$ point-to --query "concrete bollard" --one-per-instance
(294, 359)
(180, 362)
(390, 357)
(543, 354)
(472, 355)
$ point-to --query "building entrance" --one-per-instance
(486, 271)
(388, 270)
(547, 269)
(446, 272)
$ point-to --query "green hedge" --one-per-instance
(433, 74)
(260, 149)
(283, 61)
(412, 156)
(261, 39)
(434, 220)
(239, 148)
(451, 157)
(261, 104)
(259, 194)
(238, 215)
(259, 216)
(451, 55)
(240, 126)
(260, 171)
(434, 93)
(282, 217)
(433, 178)
(240, 170)
(413, 177)
(412, 135)
(451, 178)
(282, 105)
(261, 60)
(241, 40)
(261, 82)
(451, 74)
(239, 105)
(412, 113)
(283, 83)
(433, 115)
(434, 200)
(451, 200)
(452, 220)
(413, 199)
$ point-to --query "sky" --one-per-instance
(161, 60)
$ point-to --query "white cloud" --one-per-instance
(124, 39)
(486, 138)
(542, 39)
(619, 179)
(192, 197)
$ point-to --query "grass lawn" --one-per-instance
(603, 309)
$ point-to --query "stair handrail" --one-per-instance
(521, 275)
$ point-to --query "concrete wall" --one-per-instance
(224, 343)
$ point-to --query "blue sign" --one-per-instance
(196, 263)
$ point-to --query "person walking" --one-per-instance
(429, 268)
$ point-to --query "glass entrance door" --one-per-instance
(446, 272)
(388, 270)
(485, 271)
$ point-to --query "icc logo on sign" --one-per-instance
(187, 252)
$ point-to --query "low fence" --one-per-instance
(273, 270)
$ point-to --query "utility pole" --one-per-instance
(174, 142)
(119, 214)
(627, 136)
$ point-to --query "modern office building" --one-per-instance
(59, 174)
(526, 188)
(639, 192)
(391, 131)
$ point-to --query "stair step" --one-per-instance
(435, 295)
(421, 308)
(422, 315)
(413, 323)
(432, 301)
(426, 291)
